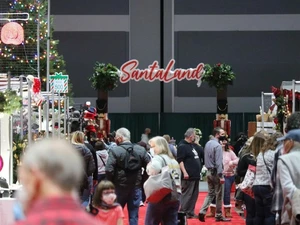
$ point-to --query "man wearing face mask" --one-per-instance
(213, 158)
(49, 183)
(288, 172)
(188, 157)
(127, 182)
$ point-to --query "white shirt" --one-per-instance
(263, 176)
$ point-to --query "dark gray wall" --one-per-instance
(258, 38)
(237, 7)
(82, 49)
(259, 59)
(90, 7)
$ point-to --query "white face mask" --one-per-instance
(152, 151)
(109, 199)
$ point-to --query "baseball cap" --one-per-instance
(291, 135)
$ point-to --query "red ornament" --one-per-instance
(12, 33)
(219, 64)
(276, 120)
(36, 87)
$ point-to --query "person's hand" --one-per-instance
(185, 176)
(222, 180)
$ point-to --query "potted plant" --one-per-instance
(219, 76)
(104, 79)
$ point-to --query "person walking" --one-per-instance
(213, 158)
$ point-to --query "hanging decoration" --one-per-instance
(36, 90)
(12, 33)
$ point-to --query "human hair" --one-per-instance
(189, 132)
(99, 145)
(293, 122)
(102, 186)
(272, 143)
(111, 136)
(58, 160)
(167, 137)
(124, 133)
(258, 143)
(162, 145)
(77, 137)
(216, 131)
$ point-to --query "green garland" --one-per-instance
(105, 77)
(19, 146)
(9, 102)
(218, 75)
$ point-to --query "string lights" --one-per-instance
(23, 59)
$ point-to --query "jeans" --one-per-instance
(263, 202)
(131, 197)
(164, 213)
(250, 208)
(229, 180)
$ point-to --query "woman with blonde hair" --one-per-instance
(87, 182)
(165, 211)
(256, 145)
(262, 189)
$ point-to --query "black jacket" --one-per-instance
(93, 151)
(115, 165)
(89, 164)
(243, 164)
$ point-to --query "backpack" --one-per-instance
(132, 159)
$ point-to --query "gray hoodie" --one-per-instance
(102, 156)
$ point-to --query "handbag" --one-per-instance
(246, 185)
(158, 186)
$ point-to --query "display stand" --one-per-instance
(266, 125)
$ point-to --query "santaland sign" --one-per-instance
(129, 71)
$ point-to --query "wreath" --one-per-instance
(9, 102)
(105, 77)
(218, 76)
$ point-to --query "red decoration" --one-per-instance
(12, 33)
(36, 87)
(1, 163)
(226, 127)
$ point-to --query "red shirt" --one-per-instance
(111, 216)
(57, 211)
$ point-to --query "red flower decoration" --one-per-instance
(276, 91)
(276, 120)
(219, 64)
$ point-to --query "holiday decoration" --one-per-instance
(23, 59)
(12, 33)
(19, 146)
(218, 76)
(9, 102)
(283, 100)
(36, 95)
(89, 117)
(59, 83)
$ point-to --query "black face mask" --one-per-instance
(222, 138)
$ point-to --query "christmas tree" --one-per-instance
(23, 59)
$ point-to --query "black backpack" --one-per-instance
(132, 160)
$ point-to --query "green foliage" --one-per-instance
(9, 102)
(218, 76)
(19, 146)
(105, 77)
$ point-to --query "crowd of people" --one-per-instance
(104, 176)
